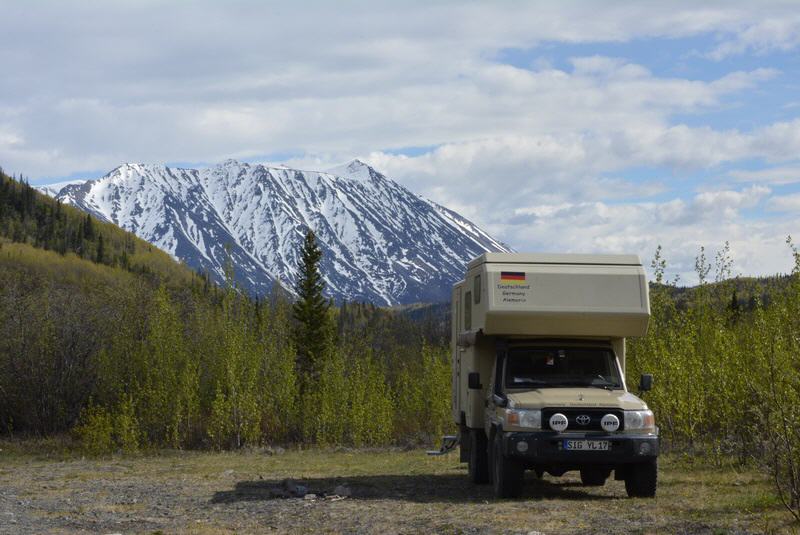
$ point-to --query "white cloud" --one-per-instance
(541, 156)
(772, 175)
(762, 36)
(786, 203)
(576, 167)
(528, 202)
(610, 102)
(681, 227)
(152, 81)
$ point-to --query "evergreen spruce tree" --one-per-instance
(312, 330)
(88, 229)
(734, 309)
(100, 258)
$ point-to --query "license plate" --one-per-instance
(587, 445)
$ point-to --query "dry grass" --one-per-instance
(44, 490)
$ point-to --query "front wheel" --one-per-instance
(641, 479)
(478, 457)
(508, 473)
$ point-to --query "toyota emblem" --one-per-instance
(583, 419)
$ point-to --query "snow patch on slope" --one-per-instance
(381, 243)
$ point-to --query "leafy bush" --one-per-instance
(126, 426)
(728, 379)
(95, 430)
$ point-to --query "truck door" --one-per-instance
(495, 390)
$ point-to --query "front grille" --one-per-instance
(572, 414)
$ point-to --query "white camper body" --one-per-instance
(509, 311)
(574, 296)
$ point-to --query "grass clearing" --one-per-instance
(393, 491)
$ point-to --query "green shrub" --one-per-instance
(96, 431)
(126, 426)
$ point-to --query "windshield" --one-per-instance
(541, 368)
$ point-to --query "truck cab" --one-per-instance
(539, 370)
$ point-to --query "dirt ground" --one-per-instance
(389, 492)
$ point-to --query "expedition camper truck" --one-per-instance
(538, 357)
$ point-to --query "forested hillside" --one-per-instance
(106, 336)
(30, 218)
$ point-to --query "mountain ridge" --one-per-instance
(381, 242)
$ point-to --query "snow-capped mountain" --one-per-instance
(54, 189)
(380, 242)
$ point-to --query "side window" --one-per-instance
(467, 311)
(477, 289)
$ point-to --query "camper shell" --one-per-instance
(514, 308)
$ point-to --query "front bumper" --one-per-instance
(546, 447)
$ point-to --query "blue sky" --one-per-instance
(557, 126)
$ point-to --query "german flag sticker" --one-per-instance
(512, 277)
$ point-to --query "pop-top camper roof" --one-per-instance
(555, 295)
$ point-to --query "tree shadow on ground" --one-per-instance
(422, 488)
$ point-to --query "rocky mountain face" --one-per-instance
(381, 243)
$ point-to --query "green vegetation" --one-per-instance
(113, 340)
(107, 337)
(728, 378)
(313, 328)
(28, 217)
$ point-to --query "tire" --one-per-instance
(641, 480)
(508, 474)
(463, 448)
(478, 457)
(594, 477)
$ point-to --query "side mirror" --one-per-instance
(474, 381)
(499, 401)
(646, 382)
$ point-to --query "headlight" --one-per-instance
(639, 421)
(531, 419)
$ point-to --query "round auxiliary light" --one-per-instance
(644, 448)
(522, 446)
(609, 423)
(558, 422)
